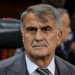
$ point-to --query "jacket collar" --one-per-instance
(62, 66)
(19, 65)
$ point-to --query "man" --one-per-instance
(41, 33)
(65, 19)
(66, 39)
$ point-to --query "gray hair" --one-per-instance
(41, 9)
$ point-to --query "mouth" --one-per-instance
(39, 46)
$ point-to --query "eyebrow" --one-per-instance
(46, 26)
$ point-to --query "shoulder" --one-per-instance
(64, 65)
(8, 62)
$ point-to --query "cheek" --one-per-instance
(53, 41)
(53, 38)
(27, 40)
(52, 44)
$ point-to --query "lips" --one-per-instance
(39, 46)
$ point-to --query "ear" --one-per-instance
(59, 37)
(22, 33)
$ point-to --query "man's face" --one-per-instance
(65, 27)
(40, 38)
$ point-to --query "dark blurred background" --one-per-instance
(13, 8)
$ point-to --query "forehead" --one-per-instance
(33, 19)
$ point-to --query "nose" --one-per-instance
(39, 35)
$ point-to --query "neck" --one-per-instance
(41, 62)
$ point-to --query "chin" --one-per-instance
(41, 55)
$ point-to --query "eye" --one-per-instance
(31, 29)
(46, 28)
